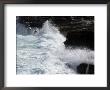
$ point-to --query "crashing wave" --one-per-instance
(42, 51)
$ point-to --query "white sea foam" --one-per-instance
(45, 52)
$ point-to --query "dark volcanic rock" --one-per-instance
(80, 38)
(85, 68)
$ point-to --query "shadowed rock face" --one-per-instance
(82, 39)
(85, 68)
(79, 30)
(82, 68)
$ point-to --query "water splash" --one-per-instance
(44, 52)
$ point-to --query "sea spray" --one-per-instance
(44, 52)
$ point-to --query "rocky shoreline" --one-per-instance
(79, 30)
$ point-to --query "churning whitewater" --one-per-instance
(42, 51)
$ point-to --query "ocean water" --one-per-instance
(42, 51)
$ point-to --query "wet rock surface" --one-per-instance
(80, 39)
(82, 68)
(85, 68)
